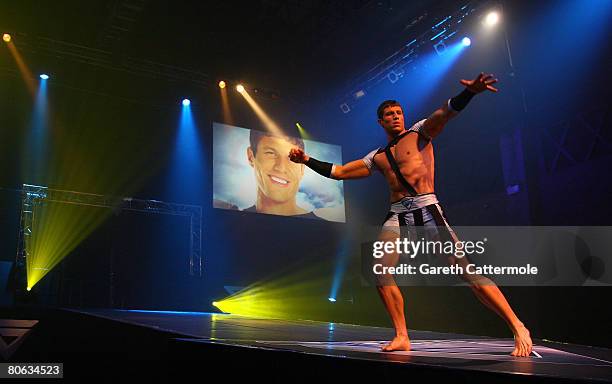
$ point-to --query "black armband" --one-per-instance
(320, 167)
(460, 101)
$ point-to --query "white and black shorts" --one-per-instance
(419, 217)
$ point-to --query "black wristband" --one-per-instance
(320, 167)
(460, 101)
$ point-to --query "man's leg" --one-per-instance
(489, 294)
(487, 291)
(392, 299)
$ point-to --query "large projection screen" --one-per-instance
(252, 173)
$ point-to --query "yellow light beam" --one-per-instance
(263, 116)
(57, 229)
(80, 161)
(299, 292)
(302, 131)
(84, 155)
(227, 113)
(26, 74)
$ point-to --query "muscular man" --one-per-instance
(407, 163)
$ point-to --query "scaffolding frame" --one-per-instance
(36, 195)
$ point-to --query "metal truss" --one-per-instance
(34, 195)
(105, 58)
(560, 149)
(394, 66)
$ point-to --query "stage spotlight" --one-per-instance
(29, 289)
(186, 102)
(44, 76)
(302, 131)
(331, 299)
(393, 77)
(466, 42)
(240, 88)
(222, 84)
(6, 37)
(440, 48)
(491, 19)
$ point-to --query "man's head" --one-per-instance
(391, 117)
(278, 178)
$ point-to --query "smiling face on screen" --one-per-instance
(278, 178)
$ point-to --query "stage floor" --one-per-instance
(549, 360)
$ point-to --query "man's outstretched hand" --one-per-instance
(298, 156)
(481, 83)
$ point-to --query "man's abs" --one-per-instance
(416, 164)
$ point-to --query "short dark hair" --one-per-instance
(256, 136)
(386, 104)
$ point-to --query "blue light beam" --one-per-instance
(187, 169)
(342, 258)
(36, 145)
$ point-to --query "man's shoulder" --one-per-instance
(370, 158)
(419, 127)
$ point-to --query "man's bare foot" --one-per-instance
(399, 343)
(522, 342)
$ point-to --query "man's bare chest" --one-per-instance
(409, 151)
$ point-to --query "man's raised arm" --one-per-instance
(437, 120)
(353, 170)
